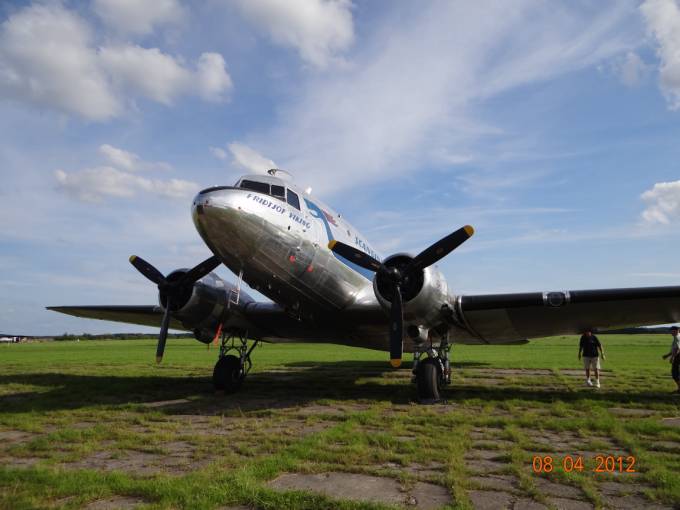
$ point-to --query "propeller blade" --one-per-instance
(441, 248)
(352, 254)
(396, 328)
(147, 269)
(199, 271)
(163, 335)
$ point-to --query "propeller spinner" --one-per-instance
(398, 276)
(172, 289)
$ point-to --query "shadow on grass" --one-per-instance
(288, 386)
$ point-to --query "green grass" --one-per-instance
(77, 401)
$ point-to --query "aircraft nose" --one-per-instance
(219, 217)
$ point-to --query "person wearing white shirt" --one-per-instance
(674, 356)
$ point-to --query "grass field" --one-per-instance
(98, 425)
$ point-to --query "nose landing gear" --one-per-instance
(234, 362)
(433, 372)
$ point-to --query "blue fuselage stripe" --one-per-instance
(316, 212)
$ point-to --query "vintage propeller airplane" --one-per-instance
(327, 284)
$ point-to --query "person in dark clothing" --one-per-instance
(674, 355)
(590, 347)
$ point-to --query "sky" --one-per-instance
(551, 127)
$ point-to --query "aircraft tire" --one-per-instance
(428, 381)
(227, 374)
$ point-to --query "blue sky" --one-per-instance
(553, 128)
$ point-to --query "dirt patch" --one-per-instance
(631, 411)
(570, 504)
(15, 436)
(491, 500)
(19, 461)
(484, 454)
(632, 502)
(493, 444)
(507, 483)
(671, 422)
(528, 504)
(621, 489)
(365, 488)
(315, 410)
(576, 372)
(559, 490)
(485, 466)
(114, 503)
(179, 460)
(667, 446)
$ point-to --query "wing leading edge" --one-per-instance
(143, 315)
(503, 318)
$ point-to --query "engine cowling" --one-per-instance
(423, 292)
(203, 306)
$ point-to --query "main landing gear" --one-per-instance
(431, 370)
(234, 362)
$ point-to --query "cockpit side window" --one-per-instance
(279, 192)
(293, 199)
(261, 187)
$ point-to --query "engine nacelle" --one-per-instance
(203, 306)
(423, 293)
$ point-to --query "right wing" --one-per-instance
(504, 318)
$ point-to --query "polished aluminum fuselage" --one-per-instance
(283, 253)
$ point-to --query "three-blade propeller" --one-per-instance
(397, 276)
(172, 289)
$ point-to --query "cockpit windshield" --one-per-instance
(274, 190)
(261, 187)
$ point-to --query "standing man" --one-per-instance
(674, 356)
(589, 347)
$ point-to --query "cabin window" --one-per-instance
(279, 192)
(261, 187)
(293, 199)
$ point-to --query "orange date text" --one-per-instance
(597, 464)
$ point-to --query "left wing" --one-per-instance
(503, 318)
(144, 315)
(266, 321)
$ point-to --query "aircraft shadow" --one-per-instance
(287, 386)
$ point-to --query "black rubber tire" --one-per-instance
(428, 381)
(227, 374)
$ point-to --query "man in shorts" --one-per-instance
(591, 348)
(674, 356)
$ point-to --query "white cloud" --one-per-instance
(318, 29)
(95, 184)
(148, 71)
(218, 153)
(163, 78)
(211, 78)
(135, 17)
(129, 161)
(631, 69)
(119, 157)
(413, 94)
(119, 181)
(48, 58)
(664, 203)
(663, 21)
(249, 158)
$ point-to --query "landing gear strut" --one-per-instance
(431, 370)
(234, 362)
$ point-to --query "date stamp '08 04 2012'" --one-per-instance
(569, 463)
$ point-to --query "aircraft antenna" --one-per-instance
(277, 172)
